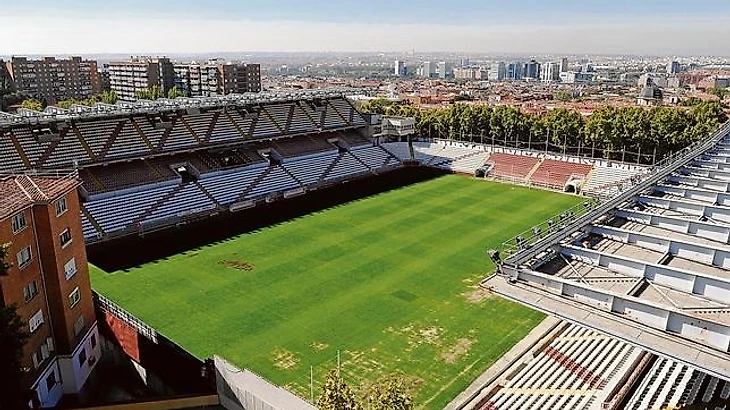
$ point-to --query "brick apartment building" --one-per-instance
(212, 78)
(52, 79)
(49, 282)
(217, 78)
(126, 78)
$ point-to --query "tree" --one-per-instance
(152, 93)
(720, 93)
(4, 265)
(563, 96)
(391, 393)
(109, 97)
(174, 92)
(13, 336)
(32, 104)
(336, 394)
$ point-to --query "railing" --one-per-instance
(557, 223)
(660, 171)
(106, 305)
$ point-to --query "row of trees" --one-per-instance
(155, 93)
(608, 132)
(106, 97)
(390, 393)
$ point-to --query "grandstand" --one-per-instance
(649, 266)
(564, 173)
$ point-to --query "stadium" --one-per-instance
(291, 234)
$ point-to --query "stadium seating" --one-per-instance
(302, 145)
(127, 144)
(398, 149)
(120, 210)
(310, 170)
(226, 186)
(511, 166)
(277, 180)
(576, 361)
(347, 165)
(374, 157)
(187, 200)
(557, 173)
(604, 178)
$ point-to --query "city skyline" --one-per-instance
(82, 27)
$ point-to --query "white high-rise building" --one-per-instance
(564, 65)
(442, 69)
(428, 70)
(399, 68)
(550, 72)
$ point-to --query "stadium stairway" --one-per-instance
(205, 191)
(149, 211)
(19, 148)
(112, 138)
(209, 131)
(142, 135)
(534, 169)
(92, 221)
(235, 124)
(254, 183)
(83, 142)
(294, 177)
(330, 167)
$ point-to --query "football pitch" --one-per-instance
(390, 281)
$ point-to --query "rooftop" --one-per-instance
(18, 192)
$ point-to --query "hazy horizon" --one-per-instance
(623, 27)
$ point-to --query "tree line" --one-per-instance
(609, 132)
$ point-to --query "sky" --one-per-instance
(639, 27)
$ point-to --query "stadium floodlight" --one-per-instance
(587, 205)
(551, 225)
(537, 231)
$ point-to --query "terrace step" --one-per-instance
(534, 169)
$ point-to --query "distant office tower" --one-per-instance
(442, 69)
(52, 79)
(514, 70)
(550, 72)
(497, 71)
(126, 78)
(464, 62)
(216, 77)
(531, 70)
(587, 68)
(428, 70)
(399, 68)
(564, 65)
(48, 280)
(674, 67)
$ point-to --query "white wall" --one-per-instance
(49, 398)
(73, 375)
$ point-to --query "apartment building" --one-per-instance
(52, 79)
(216, 77)
(48, 280)
(126, 78)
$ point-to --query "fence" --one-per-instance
(106, 305)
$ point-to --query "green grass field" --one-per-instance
(389, 280)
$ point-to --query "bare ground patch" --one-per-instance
(242, 266)
(477, 295)
(284, 359)
(455, 352)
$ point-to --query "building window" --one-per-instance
(74, 297)
(30, 290)
(51, 381)
(82, 357)
(69, 269)
(24, 257)
(18, 223)
(65, 238)
(79, 325)
(61, 207)
(36, 321)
